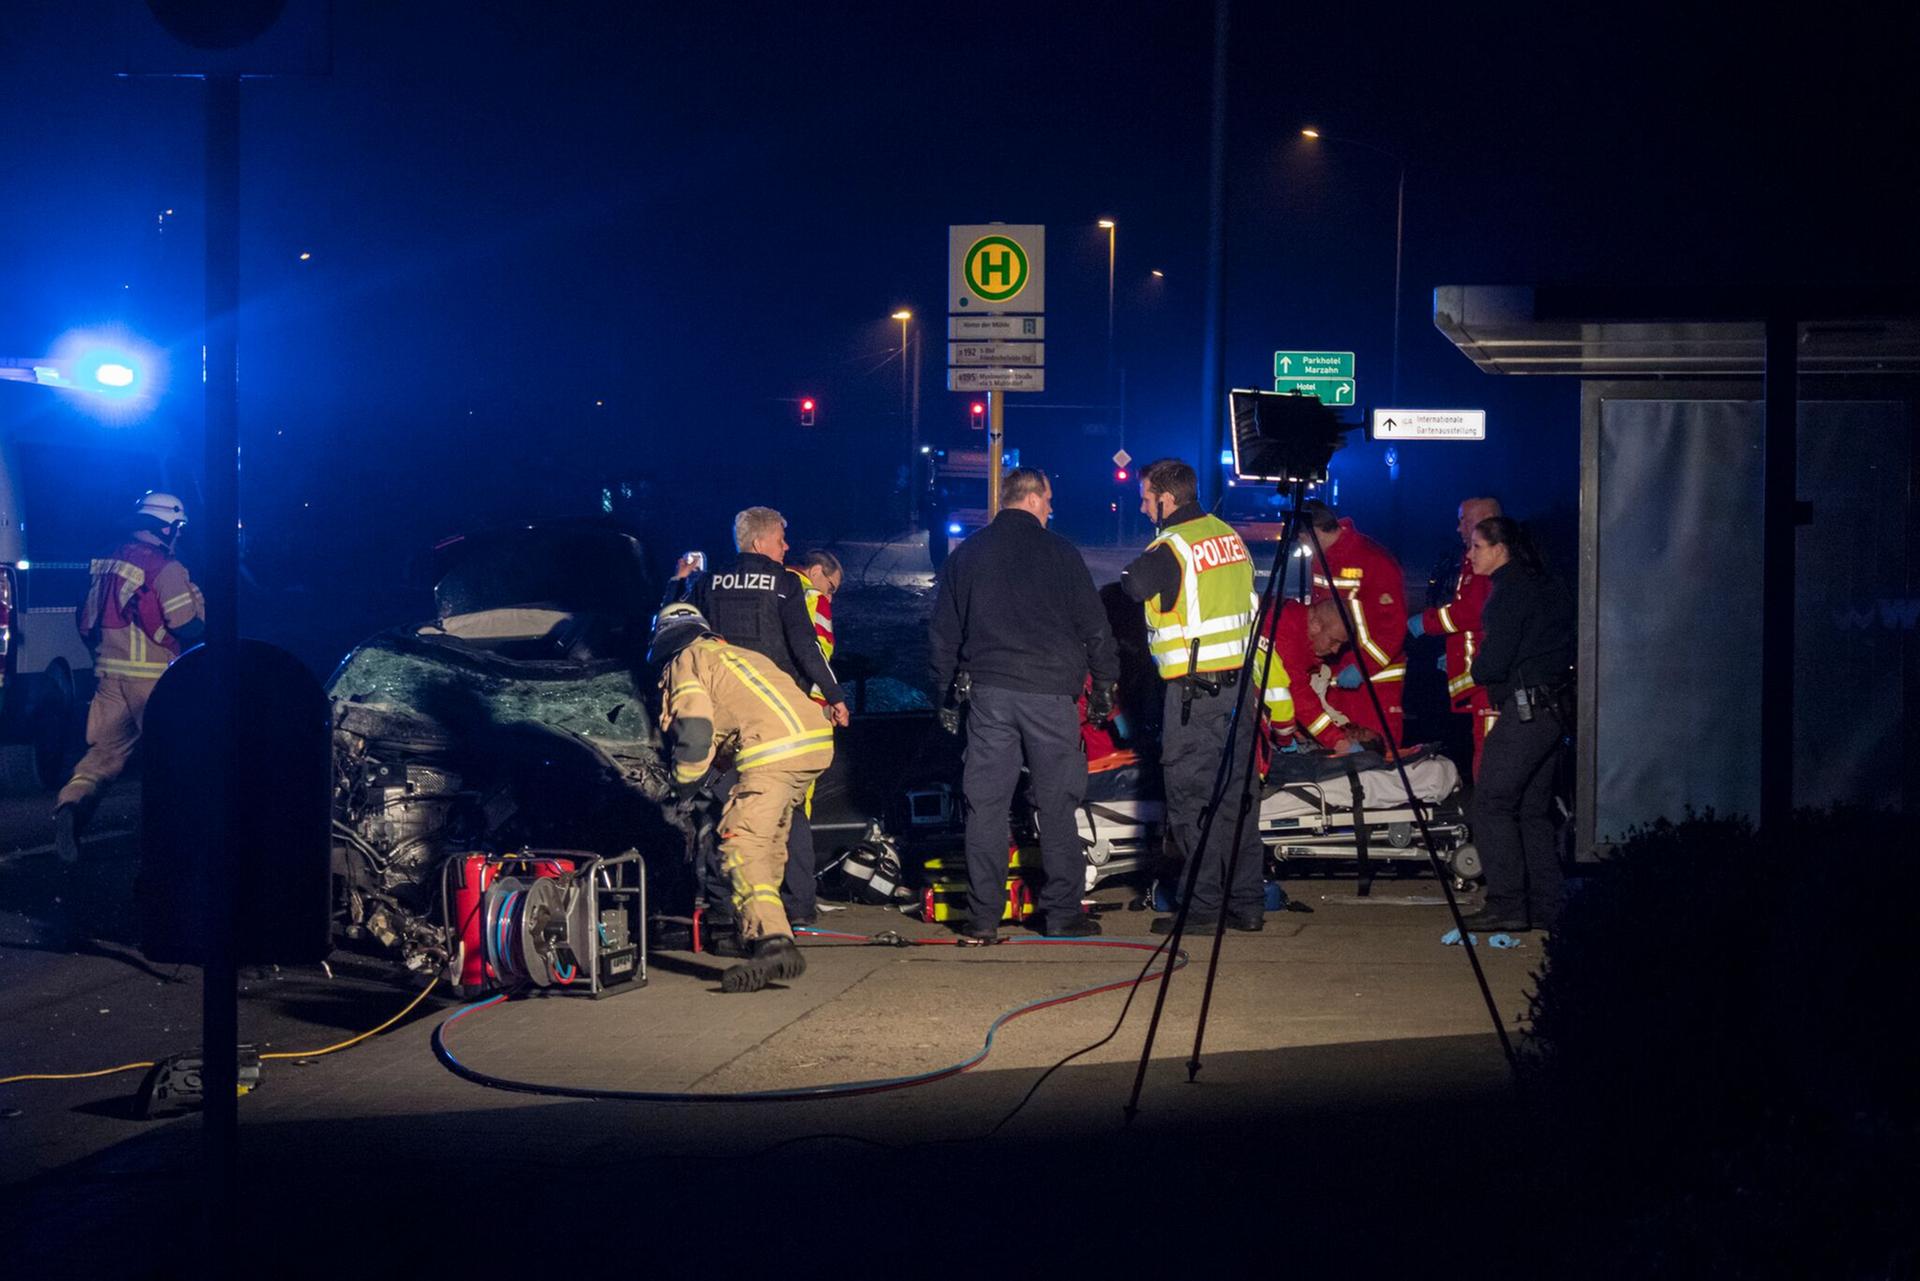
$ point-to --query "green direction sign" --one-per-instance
(1313, 364)
(1331, 391)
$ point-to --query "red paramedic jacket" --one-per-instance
(1375, 588)
(1459, 621)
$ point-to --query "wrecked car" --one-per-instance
(517, 718)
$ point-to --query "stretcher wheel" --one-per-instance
(1466, 863)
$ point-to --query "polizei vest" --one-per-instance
(1215, 606)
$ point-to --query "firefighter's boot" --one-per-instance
(775, 957)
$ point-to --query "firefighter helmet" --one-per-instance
(164, 509)
(675, 627)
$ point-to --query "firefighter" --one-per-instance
(1195, 581)
(1459, 621)
(140, 613)
(1372, 584)
(719, 699)
(756, 604)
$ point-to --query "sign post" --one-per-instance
(996, 300)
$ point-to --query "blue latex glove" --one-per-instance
(1503, 942)
(1347, 677)
(1441, 664)
(1452, 938)
(1416, 625)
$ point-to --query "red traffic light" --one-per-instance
(806, 411)
(806, 404)
(977, 416)
(1120, 475)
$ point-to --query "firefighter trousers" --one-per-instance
(114, 719)
(753, 846)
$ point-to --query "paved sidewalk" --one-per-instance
(1336, 1042)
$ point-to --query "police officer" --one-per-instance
(141, 612)
(1017, 613)
(756, 604)
(1196, 582)
(1525, 662)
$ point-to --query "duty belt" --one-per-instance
(1196, 683)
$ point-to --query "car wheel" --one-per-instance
(53, 728)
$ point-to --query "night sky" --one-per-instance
(553, 246)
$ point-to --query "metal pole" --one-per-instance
(1110, 235)
(996, 447)
(1779, 518)
(1399, 230)
(1213, 382)
(913, 438)
(220, 1002)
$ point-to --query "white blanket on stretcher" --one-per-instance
(1433, 776)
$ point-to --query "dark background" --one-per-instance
(558, 247)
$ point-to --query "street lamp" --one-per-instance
(1399, 229)
(905, 317)
(1107, 225)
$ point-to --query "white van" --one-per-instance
(68, 487)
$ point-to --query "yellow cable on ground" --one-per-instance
(314, 1054)
(70, 1076)
(283, 1054)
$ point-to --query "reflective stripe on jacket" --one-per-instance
(137, 596)
(758, 715)
(1216, 603)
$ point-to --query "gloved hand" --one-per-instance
(1416, 624)
(950, 719)
(1348, 677)
(1100, 706)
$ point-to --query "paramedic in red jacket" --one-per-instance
(1459, 621)
(1370, 580)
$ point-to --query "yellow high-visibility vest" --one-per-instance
(1215, 606)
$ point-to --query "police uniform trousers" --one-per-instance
(114, 718)
(1005, 726)
(1189, 761)
(1513, 815)
(754, 829)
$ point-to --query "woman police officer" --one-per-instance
(1525, 662)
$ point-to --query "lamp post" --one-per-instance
(905, 317)
(1399, 237)
(1107, 225)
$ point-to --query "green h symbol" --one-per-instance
(996, 264)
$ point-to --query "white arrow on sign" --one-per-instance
(1286, 364)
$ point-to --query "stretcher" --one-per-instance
(1312, 808)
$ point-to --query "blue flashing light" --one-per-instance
(953, 527)
(113, 374)
(1226, 458)
(1393, 456)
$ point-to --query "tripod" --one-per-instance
(1272, 601)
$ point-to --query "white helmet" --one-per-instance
(165, 508)
(675, 627)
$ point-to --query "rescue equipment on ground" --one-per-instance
(945, 896)
(566, 920)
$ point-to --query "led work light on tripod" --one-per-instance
(1282, 438)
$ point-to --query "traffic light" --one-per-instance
(806, 411)
(977, 416)
(1120, 475)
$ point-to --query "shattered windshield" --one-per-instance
(448, 695)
